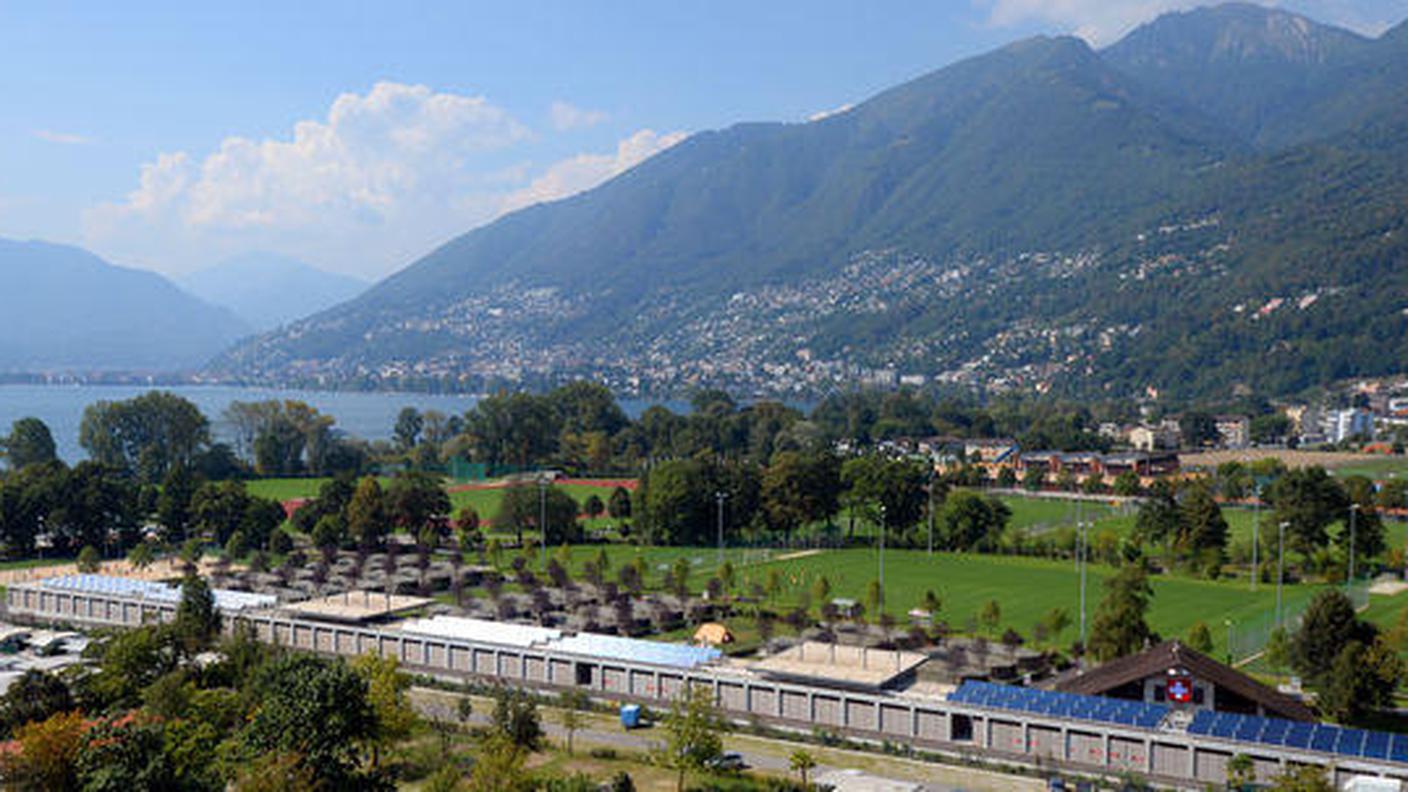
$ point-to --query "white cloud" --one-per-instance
(822, 114)
(585, 171)
(62, 138)
(380, 180)
(567, 116)
(1102, 22)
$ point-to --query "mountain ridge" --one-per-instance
(1024, 196)
(68, 309)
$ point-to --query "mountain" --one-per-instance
(67, 309)
(1149, 217)
(1248, 67)
(267, 290)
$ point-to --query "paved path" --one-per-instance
(768, 755)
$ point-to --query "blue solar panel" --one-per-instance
(1223, 727)
(1324, 738)
(1250, 729)
(1275, 731)
(1351, 742)
(1063, 705)
(1376, 745)
(1399, 751)
(1202, 722)
(1298, 735)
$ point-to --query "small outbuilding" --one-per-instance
(713, 634)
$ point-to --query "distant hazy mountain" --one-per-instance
(1218, 200)
(65, 308)
(267, 290)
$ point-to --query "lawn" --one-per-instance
(1025, 588)
(1030, 512)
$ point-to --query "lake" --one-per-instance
(366, 415)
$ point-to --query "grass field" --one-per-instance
(1025, 588)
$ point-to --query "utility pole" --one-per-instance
(1228, 622)
(543, 515)
(1280, 570)
(721, 496)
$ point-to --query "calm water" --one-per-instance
(366, 415)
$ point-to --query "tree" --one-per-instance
(692, 731)
(1198, 429)
(1119, 627)
(416, 500)
(386, 692)
(618, 506)
(572, 703)
(972, 522)
(1310, 500)
(409, 424)
(29, 443)
(521, 510)
(124, 753)
(1362, 679)
(498, 767)
(89, 560)
(366, 514)
(1034, 478)
(314, 708)
(34, 696)
(593, 506)
(516, 719)
(1302, 778)
(991, 615)
(1202, 526)
(174, 506)
(1199, 637)
(802, 763)
(1160, 520)
(197, 621)
(48, 752)
(799, 489)
(1127, 484)
(1241, 771)
(1328, 625)
(146, 436)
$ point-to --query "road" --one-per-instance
(768, 755)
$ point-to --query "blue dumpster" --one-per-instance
(630, 716)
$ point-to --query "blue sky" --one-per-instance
(357, 135)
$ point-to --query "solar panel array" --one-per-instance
(613, 647)
(482, 631)
(1322, 737)
(225, 599)
(1061, 705)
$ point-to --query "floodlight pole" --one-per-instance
(1353, 515)
(931, 511)
(1280, 569)
(543, 515)
(882, 551)
(1228, 622)
(1256, 532)
(721, 496)
(1084, 552)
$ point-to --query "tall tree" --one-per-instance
(409, 424)
(1328, 625)
(29, 443)
(1119, 627)
(1309, 500)
(367, 519)
(315, 708)
(145, 436)
(692, 730)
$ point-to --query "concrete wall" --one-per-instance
(926, 723)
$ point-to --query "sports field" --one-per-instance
(1025, 588)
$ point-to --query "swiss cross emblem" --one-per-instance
(1180, 690)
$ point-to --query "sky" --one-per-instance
(359, 136)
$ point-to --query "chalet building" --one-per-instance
(1234, 430)
(1171, 673)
